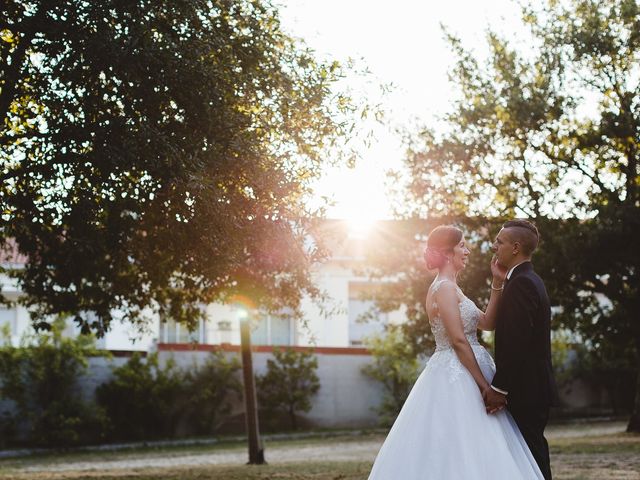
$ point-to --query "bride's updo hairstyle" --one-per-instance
(442, 240)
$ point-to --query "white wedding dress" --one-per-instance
(443, 431)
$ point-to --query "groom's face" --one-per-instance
(503, 247)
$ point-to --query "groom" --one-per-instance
(524, 378)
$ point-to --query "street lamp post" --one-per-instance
(256, 449)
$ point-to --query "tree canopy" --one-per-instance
(156, 155)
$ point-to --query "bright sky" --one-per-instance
(402, 43)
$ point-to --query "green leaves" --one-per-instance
(289, 383)
(395, 365)
(522, 116)
(155, 155)
(41, 379)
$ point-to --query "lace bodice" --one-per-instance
(445, 356)
(469, 313)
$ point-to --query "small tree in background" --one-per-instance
(143, 398)
(210, 390)
(40, 379)
(396, 366)
(289, 383)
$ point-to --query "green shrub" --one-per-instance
(211, 390)
(145, 400)
(289, 383)
(40, 379)
(394, 365)
(142, 399)
(8, 431)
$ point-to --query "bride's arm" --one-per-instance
(488, 318)
(447, 299)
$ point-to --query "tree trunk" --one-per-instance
(634, 421)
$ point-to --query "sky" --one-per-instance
(400, 43)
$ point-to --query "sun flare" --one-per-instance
(360, 226)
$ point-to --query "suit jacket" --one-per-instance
(523, 341)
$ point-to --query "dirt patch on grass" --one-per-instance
(610, 466)
(610, 457)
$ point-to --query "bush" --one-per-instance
(396, 367)
(40, 379)
(609, 366)
(146, 401)
(142, 400)
(289, 383)
(211, 391)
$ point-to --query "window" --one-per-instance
(260, 331)
(281, 330)
(172, 332)
(273, 330)
(7, 321)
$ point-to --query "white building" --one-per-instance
(336, 277)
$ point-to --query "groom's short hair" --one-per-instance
(525, 233)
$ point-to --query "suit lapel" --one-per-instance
(523, 267)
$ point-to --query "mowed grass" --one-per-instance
(289, 471)
(588, 457)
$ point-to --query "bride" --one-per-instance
(443, 431)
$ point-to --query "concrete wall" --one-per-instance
(347, 398)
(100, 371)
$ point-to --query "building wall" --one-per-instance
(347, 398)
(99, 371)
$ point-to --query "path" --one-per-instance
(336, 449)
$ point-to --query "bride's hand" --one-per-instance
(498, 271)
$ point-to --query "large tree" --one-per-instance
(156, 155)
(548, 127)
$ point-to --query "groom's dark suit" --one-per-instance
(523, 358)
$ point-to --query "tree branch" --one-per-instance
(570, 162)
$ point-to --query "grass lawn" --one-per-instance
(588, 457)
(289, 471)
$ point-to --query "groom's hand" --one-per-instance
(493, 401)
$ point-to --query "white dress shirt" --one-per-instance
(513, 268)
